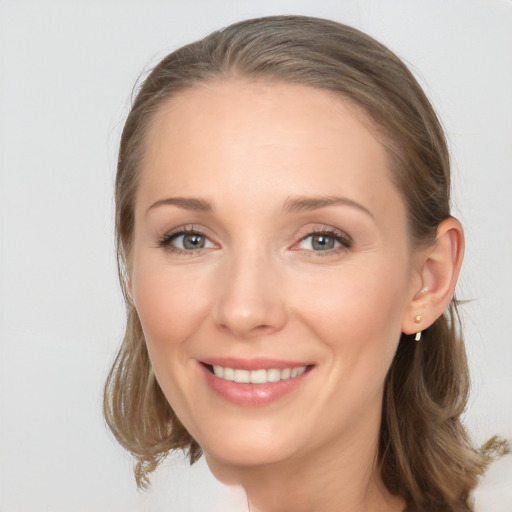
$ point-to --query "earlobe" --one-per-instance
(438, 269)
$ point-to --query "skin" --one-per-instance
(259, 287)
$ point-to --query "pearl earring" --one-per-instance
(418, 320)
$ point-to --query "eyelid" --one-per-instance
(319, 229)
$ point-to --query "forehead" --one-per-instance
(263, 138)
(245, 105)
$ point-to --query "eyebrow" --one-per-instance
(306, 203)
(291, 205)
(187, 203)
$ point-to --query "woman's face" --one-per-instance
(270, 246)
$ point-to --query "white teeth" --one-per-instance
(242, 376)
(273, 375)
(229, 374)
(257, 376)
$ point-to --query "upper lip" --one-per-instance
(259, 363)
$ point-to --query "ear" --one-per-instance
(438, 268)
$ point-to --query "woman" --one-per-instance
(289, 260)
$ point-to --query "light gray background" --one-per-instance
(66, 73)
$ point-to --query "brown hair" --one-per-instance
(424, 453)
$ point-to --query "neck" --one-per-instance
(336, 478)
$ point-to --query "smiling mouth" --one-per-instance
(261, 376)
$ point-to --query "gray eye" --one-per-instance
(192, 241)
(189, 241)
(322, 242)
(319, 242)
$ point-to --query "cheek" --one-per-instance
(356, 311)
(170, 303)
(356, 317)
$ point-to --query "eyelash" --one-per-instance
(344, 240)
(165, 242)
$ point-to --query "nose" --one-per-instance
(250, 301)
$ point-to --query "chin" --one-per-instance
(231, 470)
(237, 453)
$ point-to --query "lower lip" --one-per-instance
(252, 394)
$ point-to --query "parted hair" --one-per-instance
(425, 454)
